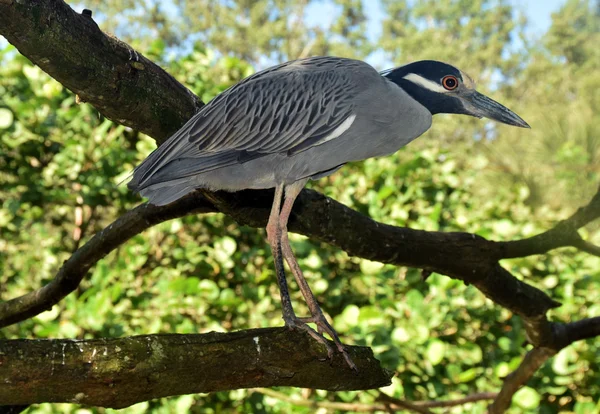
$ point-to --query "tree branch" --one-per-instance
(12, 409)
(320, 218)
(482, 396)
(562, 235)
(76, 267)
(576, 331)
(384, 402)
(100, 69)
(563, 335)
(530, 364)
(120, 372)
(442, 404)
(587, 247)
(352, 406)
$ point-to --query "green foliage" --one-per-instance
(60, 164)
(558, 91)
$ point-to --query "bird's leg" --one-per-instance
(317, 317)
(274, 238)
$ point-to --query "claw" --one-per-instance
(322, 327)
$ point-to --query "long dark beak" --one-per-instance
(480, 105)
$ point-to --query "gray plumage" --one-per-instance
(279, 126)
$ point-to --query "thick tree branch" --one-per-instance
(314, 214)
(100, 69)
(120, 372)
(12, 409)
(567, 333)
(321, 218)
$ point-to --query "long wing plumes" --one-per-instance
(284, 109)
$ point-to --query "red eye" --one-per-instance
(450, 82)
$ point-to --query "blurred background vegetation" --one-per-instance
(60, 163)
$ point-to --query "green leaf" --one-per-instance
(6, 118)
(313, 261)
(502, 370)
(228, 245)
(370, 268)
(468, 375)
(184, 403)
(209, 289)
(435, 351)
(561, 362)
(348, 318)
(527, 398)
(370, 315)
(400, 335)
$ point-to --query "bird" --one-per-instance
(303, 120)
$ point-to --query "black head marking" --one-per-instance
(428, 69)
(436, 101)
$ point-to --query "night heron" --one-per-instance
(303, 120)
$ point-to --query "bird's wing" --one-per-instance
(285, 109)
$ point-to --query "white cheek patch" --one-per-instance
(339, 130)
(425, 83)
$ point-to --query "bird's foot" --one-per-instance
(323, 326)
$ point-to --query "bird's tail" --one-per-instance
(166, 192)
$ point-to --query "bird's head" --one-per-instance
(443, 89)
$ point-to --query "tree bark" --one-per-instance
(119, 372)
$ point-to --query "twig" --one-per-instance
(564, 234)
(563, 335)
(530, 364)
(587, 247)
(340, 405)
(387, 401)
(393, 403)
(482, 396)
